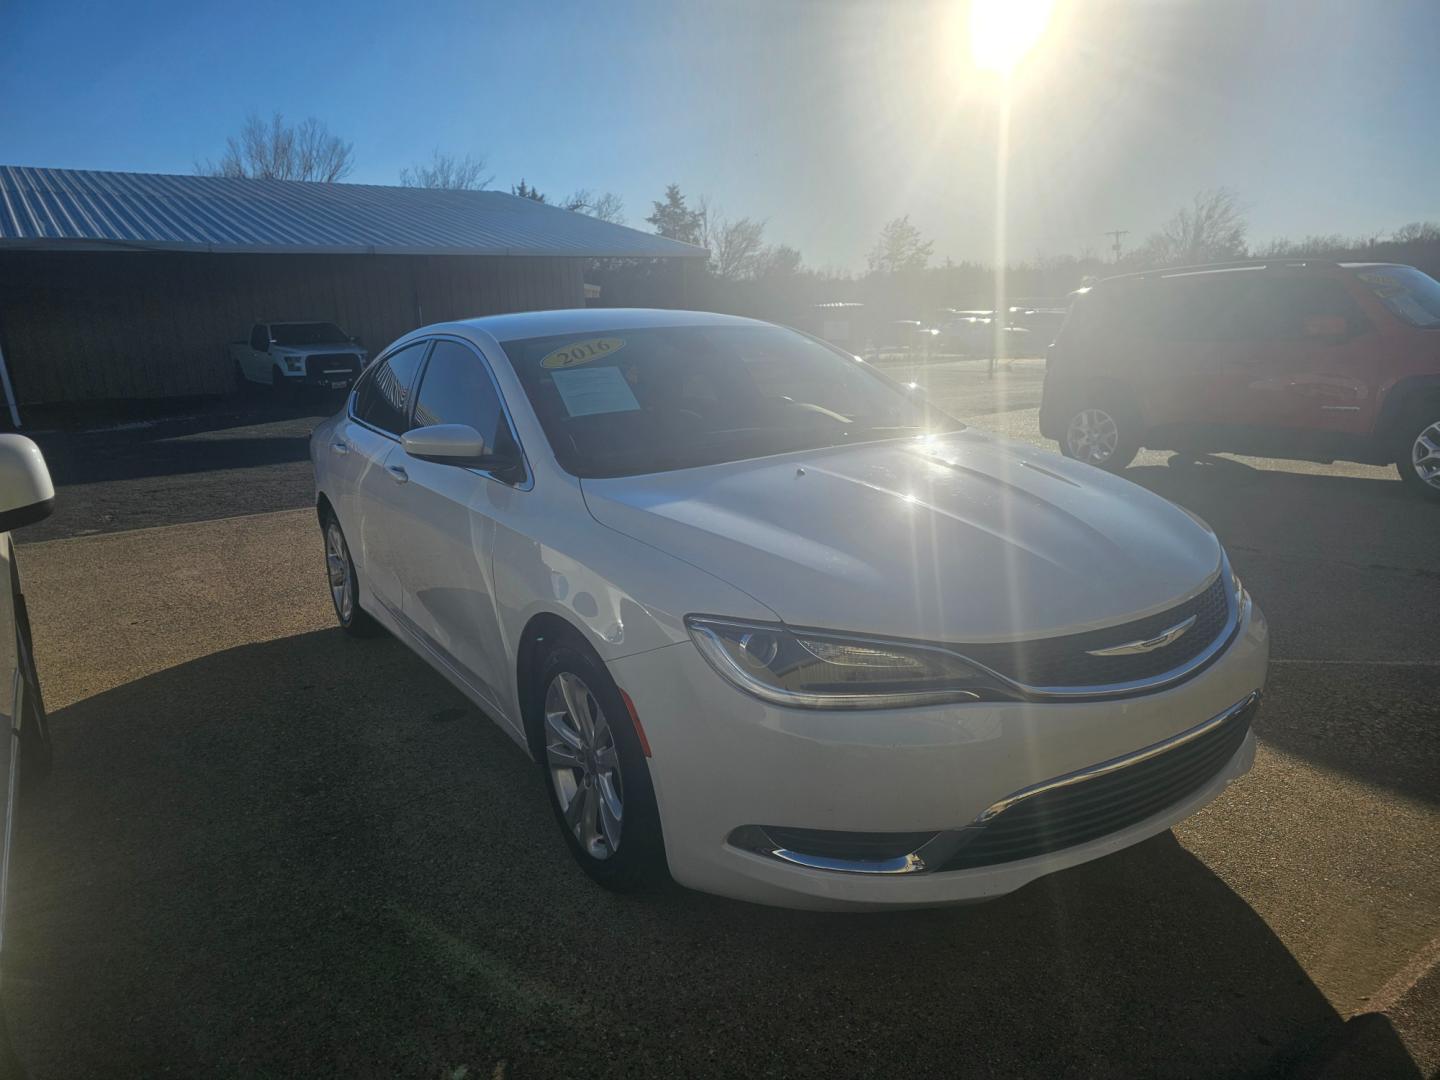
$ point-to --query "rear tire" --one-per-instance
(344, 582)
(595, 773)
(1101, 433)
(1417, 454)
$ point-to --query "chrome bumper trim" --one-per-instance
(1090, 772)
(943, 845)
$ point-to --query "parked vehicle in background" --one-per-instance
(1043, 322)
(905, 335)
(767, 620)
(26, 496)
(292, 355)
(973, 334)
(1306, 359)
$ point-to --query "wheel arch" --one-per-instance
(543, 628)
(325, 509)
(1077, 392)
(1401, 400)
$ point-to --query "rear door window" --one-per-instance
(1279, 307)
(383, 398)
(1199, 308)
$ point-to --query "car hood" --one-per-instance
(961, 537)
(317, 350)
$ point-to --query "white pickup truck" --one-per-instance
(291, 355)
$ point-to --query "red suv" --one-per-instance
(1312, 360)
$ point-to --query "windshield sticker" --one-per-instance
(595, 390)
(582, 352)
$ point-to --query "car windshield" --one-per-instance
(624, 402)
(308, 333)
(1409, 293)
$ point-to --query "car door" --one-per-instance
(12, 687)
(1184, 322)
(442, 519)
(378, 414)
(1306, 360)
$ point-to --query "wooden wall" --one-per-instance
(83, 325)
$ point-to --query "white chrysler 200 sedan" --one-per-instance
(769, 622)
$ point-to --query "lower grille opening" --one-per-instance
(1076, 814)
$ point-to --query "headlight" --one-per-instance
(805, 669)
(1237, 588)
(295, 363)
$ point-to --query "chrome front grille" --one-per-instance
(1068, 661)
(319, 366)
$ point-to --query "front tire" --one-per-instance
(1101, 434)
(344, 583)
(1418, 456)
(595, 773)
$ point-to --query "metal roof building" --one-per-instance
(120, 285)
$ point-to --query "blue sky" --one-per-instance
(824, 118)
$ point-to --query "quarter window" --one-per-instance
(383, 399)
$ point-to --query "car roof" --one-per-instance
(1297, 264)
(530, 324)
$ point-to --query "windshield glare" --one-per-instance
(1409, 293)
(625, 402)
(310, 333)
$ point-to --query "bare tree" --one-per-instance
(900, 248)
(1210, 229)
(448, 172)
(281, 151)
(607, 206)
(737, 248)
(1284, 248)
(781, 260)
(1422, 232)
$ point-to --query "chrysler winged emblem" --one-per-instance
(1159, 641)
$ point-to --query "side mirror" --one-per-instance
(26, 493)
(451, 444)
(1325, 326)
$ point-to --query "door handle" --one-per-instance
(398, 473)
(340, 446)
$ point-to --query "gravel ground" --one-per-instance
(270, 850)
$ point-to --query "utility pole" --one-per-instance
(1117, 234)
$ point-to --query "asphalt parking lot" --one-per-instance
(267, 849)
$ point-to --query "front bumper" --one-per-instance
(326, 371)
(723, 760)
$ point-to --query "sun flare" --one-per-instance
(1003, 31)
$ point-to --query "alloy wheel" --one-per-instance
(1425, 455)
(1092, 436)
(584, 765)
(337, 567)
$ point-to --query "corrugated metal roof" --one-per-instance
(73, 209)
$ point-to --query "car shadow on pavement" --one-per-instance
(166, 471)
(1348, 571)
(312, 856)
